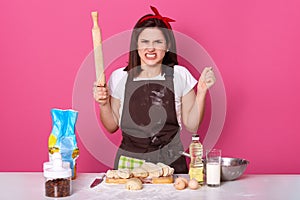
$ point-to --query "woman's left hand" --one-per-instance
(206, 80)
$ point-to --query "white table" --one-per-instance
(24, 186)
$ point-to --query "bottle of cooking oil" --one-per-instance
(196, 164)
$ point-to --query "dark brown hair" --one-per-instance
(170, 58)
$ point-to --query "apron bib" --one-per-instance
(149, 123)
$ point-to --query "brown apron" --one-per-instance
(149, 123)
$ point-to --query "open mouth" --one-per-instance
(150, 55)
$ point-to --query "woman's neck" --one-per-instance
(150, 71)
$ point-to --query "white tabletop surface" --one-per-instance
(22, 185)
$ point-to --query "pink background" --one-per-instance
(255, 45)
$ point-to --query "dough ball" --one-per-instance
(171, 171)
(139, 172)
(165, 169)
(124, 173)
(112, 174)
(134, 184)
(152, 169)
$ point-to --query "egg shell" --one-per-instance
(179, 184)
(193, 184)
(184, 180)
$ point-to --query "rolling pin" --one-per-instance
(98, 54)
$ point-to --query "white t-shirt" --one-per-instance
(183, 83)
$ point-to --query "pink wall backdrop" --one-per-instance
(255, 45)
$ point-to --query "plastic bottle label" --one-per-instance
(196, 173)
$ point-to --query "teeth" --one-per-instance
(150, 55)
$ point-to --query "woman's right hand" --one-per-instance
(101, 93)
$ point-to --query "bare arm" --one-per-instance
(193, 105)
(109, 115)
(193, 110)
(109, 108)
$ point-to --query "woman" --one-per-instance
(153, 96)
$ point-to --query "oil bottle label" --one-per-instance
(196, 173)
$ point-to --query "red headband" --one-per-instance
(166, 20)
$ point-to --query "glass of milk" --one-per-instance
(213, 168)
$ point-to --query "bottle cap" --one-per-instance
(48, 165)
(195, 137)
(57, 169)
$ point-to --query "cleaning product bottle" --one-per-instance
(196, 164)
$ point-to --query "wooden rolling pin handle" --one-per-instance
(95, 19)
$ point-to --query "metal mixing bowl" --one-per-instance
(233, 168)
